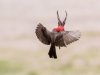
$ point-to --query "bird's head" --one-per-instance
(60, 28)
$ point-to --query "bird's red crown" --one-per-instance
(60, 28)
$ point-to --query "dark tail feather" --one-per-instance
(52, 52)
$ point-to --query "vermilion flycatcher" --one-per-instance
(58, 37)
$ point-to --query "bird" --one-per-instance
(58, 37)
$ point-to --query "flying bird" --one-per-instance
(57, 37)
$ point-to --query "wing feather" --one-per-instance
(43, 34)
(68, 37)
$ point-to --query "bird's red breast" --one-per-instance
(60, 28)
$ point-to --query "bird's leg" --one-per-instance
(59, 21)
(59, 47)
(65, 19)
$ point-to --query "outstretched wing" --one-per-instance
(68, 37)
(43, 34)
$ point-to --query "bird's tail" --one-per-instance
(52, 52)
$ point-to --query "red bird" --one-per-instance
(58, 37)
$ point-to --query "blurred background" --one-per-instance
(21, 53)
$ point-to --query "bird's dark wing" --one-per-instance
(43, 34)
(68, 37)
